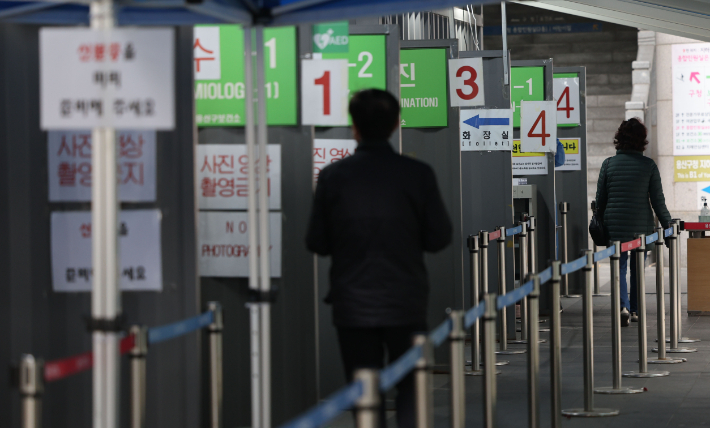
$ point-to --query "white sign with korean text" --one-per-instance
(223, 245)
(122, 78)
(222, 176)
(566, 92)
(573, 157)
(70, 169)
(206, 38)
(691, 99)
(324, 92)
(327, 151)
(466, 82)
(538, 126)
(139, 245)
(486, 129)
(528, 163)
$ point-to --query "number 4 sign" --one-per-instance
(538, 126)
(466, 82)
(324, 86)
(566, 92)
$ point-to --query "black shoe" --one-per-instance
(625, 317)
(634, 317)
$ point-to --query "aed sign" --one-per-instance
(573, 158)
(466, 82)
(565, 88)
(324, 92)
(486, 129)
(526, 83)
(422, 74)
(218, 66)
(331, 37)
(122, 78)
(538, 127)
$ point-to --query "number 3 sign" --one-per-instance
(324, 87)
(538, 126)
(466, 82)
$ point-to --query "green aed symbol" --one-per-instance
(331, 37)
(527, 83)
(423, 93)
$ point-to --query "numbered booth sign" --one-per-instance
(466, 82)
(528, 84)
(566, 92)
(486, 129)
(538, 127)
(324, 92)
(422, 74)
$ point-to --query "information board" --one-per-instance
(565, 88)
(223, 244)
(139, 249)
(527, 83)
(573, 159)
(222, 176)
(69, 166)
(327, 151)
(122, 78)
(423, 97)
(218, 58)
(691, 99)
(691, 168)
(486, 129)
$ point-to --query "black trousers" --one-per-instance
(366, 347)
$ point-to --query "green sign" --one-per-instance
(423, 93)
(330, 37)
(367, 63)
(527, 83)
(219, 75)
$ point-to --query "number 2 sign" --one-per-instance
(466, 82)
(538, 126)
(324, 87)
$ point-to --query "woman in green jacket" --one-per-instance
(629, 186)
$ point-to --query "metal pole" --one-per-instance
(532, 243)
(588, 346)
(661, 307)
(679, 300)
(483, 241)
(504, 33)
(564, 209)
(503, 312)
(31, 390)
(555, 348)
(597, 292)
(457, 339)
(643, 372)
(474, 250)
(489, 380)
(368, 405)
(523, 247)
(533, 354)
(424, 383)
(616, 387)
(673, 269)
(215, 332)
(138, 355)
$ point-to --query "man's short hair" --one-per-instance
(375, 113)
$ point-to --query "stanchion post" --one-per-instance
(523, 247)
(533, 353)
(597, 292)
(31, 390)
(532, 243)
(457, 340)
(588, 346)
(640, 261)
(215, 338)
(367, 407)
(138, 355)
(679, 300)
(474, 250)
(489, 361)
(424, 383)
(555, 348)
(673, 271)
(483, 260)
(503, 313)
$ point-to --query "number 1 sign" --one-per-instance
(538, 126)
(324, 87)
(466, 82)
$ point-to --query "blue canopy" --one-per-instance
(180, 12)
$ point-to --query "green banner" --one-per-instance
(331, 37)
(221, 101)
(527, 83)
(423, 93)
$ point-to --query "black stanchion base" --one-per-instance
(525, 342)
(498, 363)
(677, 350)
(683, 340)
(666, 360)
(622, 390)
(594, 413)
(601, 295)
(645, 375)
(511, 351)
(478, 372)
(572, 296)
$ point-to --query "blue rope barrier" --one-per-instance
(473, 314)
(545, 275)
(573, 266)
(439, 335)
(650, 239)
(514, 296)
(392, 374)
(603, 254)
(513, 230)
(668, 232)
(171, 331)
(333, 406)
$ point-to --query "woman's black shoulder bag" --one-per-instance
(596, 226)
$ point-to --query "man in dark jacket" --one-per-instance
(376, 213)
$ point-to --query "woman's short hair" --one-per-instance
(631, 135)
